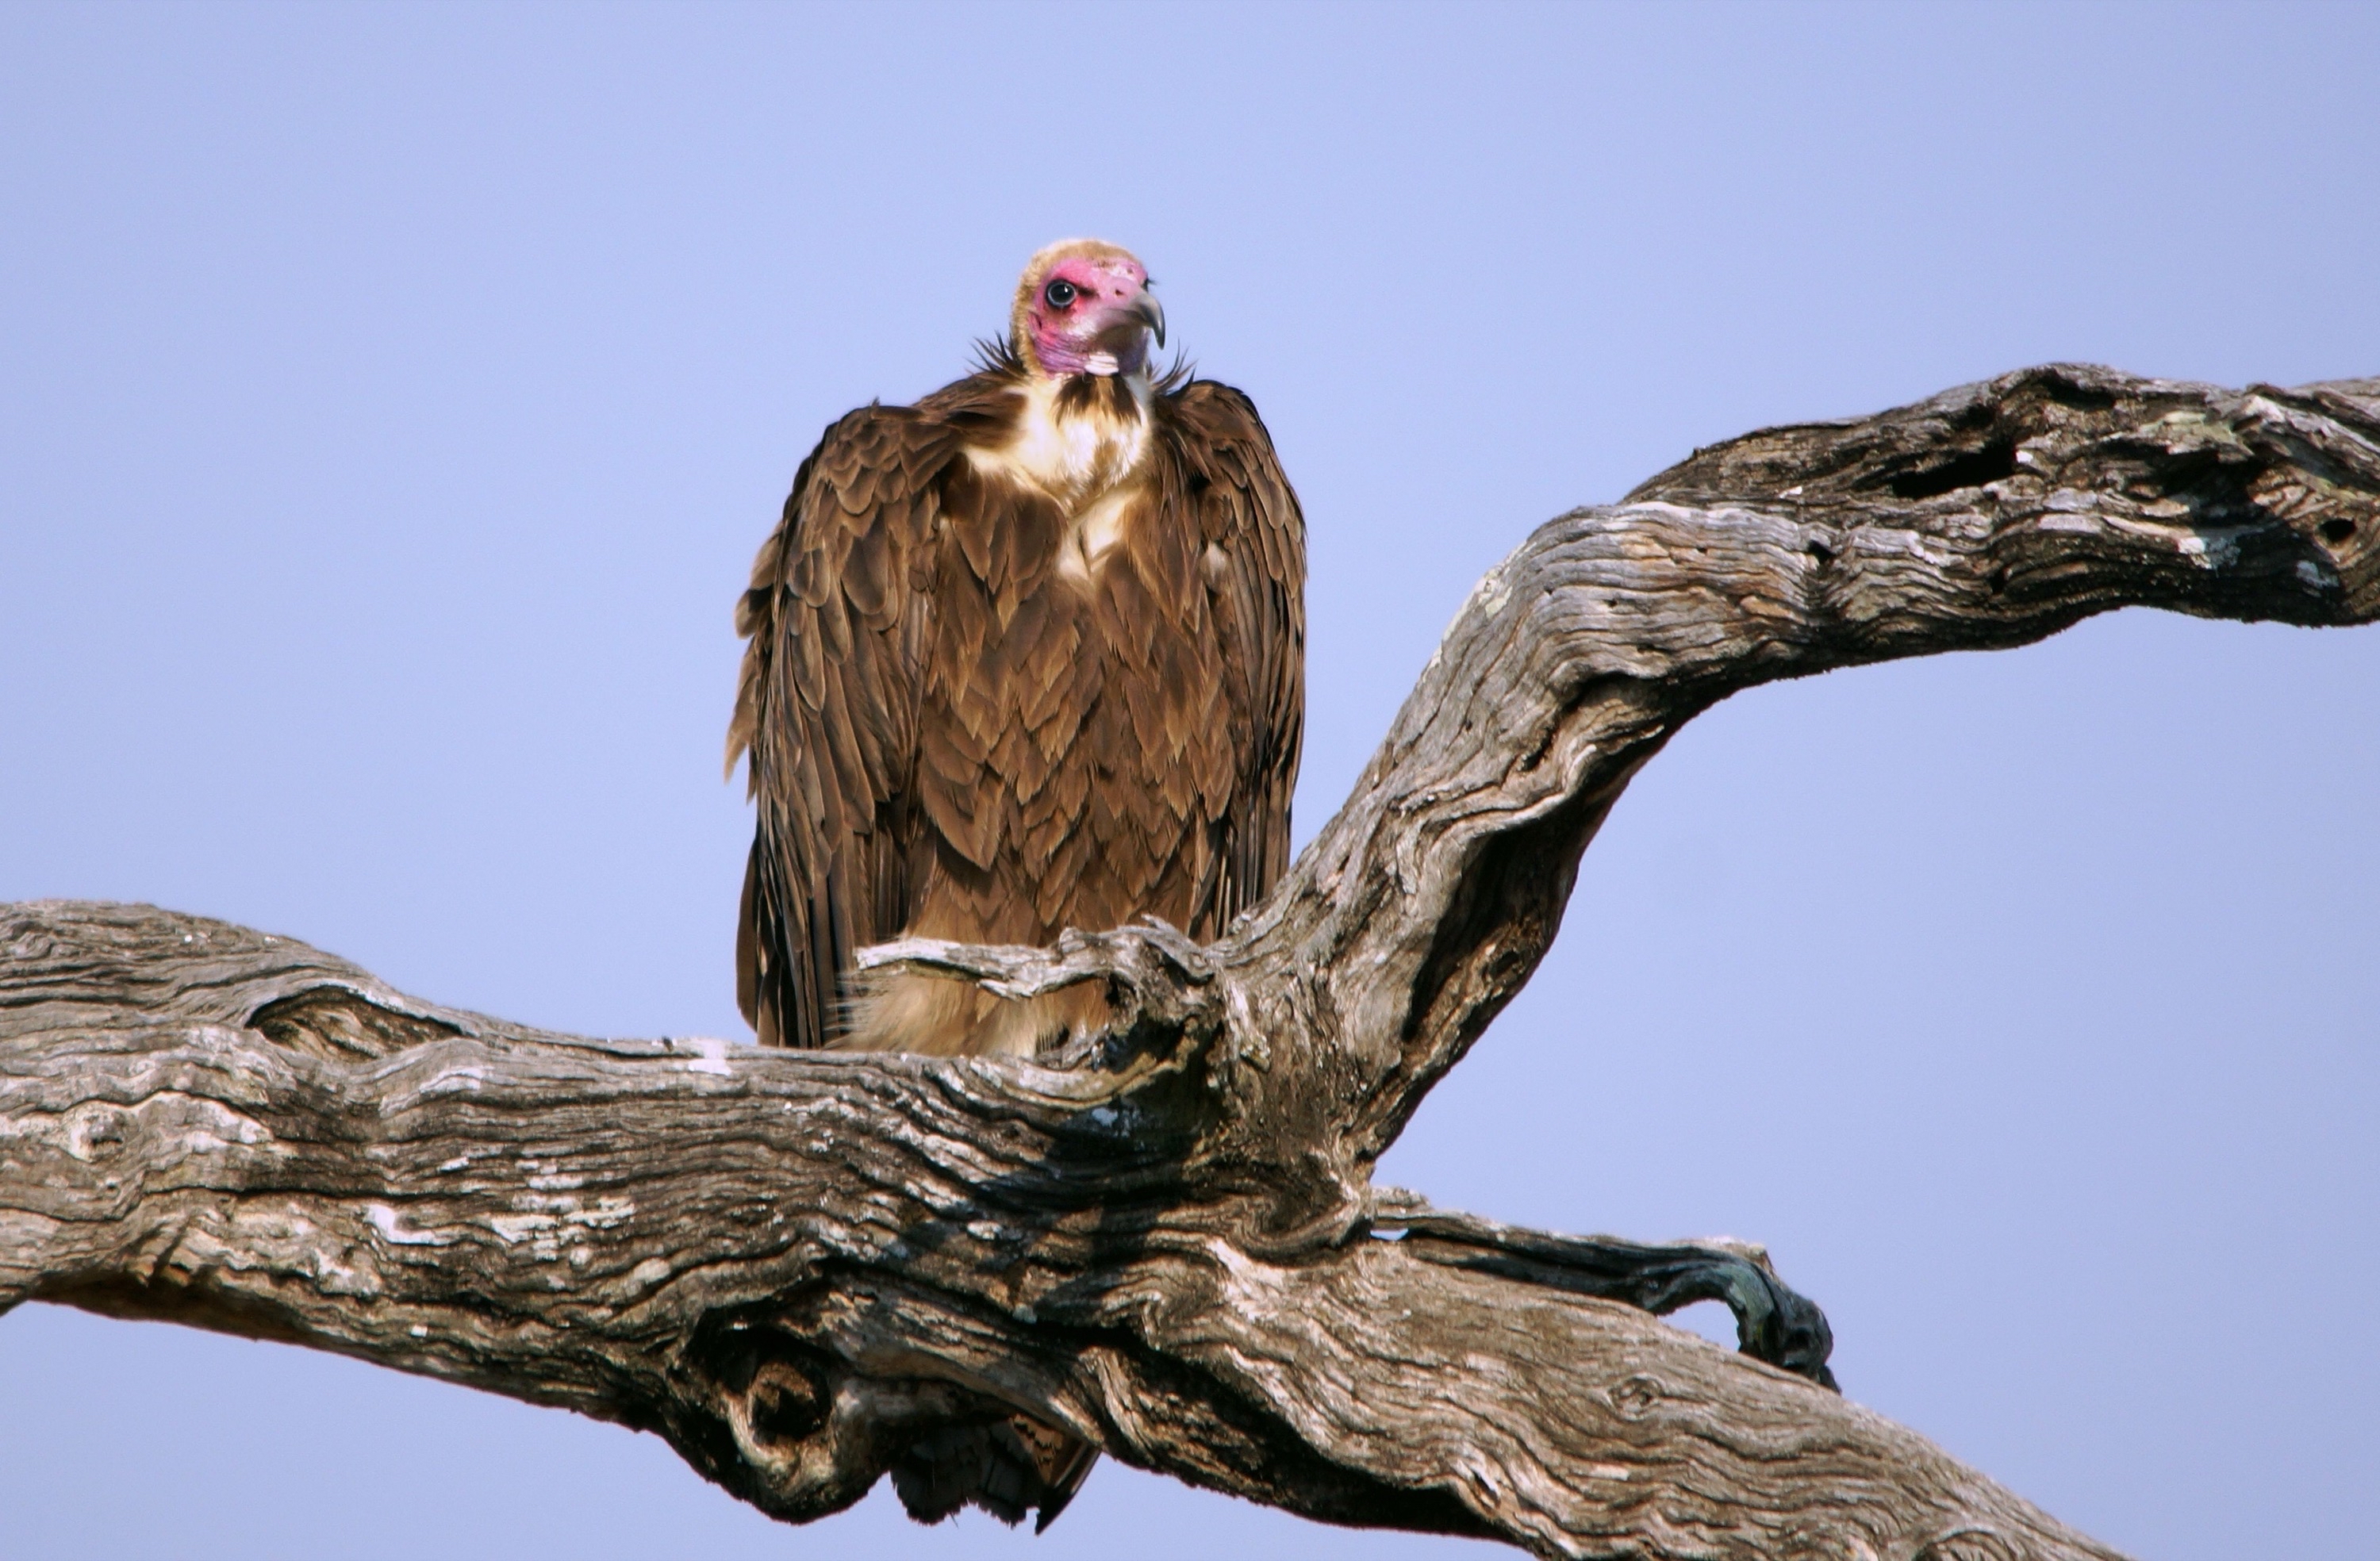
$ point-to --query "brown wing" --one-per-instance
(837, 617)
(1255, 561)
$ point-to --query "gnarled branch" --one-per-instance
(804, 1268)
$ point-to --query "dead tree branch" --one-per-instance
(800, 1267)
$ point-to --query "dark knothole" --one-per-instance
(786, 1406)
(1992, 463)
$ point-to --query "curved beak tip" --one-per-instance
(1153, 312)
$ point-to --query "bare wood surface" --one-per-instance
(803, 1268)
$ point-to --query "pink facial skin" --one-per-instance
(1104, 327)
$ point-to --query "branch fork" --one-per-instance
(807, 1270)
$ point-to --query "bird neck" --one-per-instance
(1076, 436)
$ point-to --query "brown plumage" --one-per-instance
(1026, 656)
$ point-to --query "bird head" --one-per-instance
(1083, 306)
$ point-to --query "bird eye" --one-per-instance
(1059, 294)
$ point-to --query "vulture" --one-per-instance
(1027, 656)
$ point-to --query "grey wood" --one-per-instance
(807, 1270)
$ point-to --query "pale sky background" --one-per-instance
(391, 399)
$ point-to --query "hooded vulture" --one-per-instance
(1026, 656)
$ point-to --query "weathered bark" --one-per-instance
(801, 1268)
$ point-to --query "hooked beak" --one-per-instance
(1152, 313)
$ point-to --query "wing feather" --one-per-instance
(826, 706)
(1255, 570)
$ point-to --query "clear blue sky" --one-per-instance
(391, 401)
